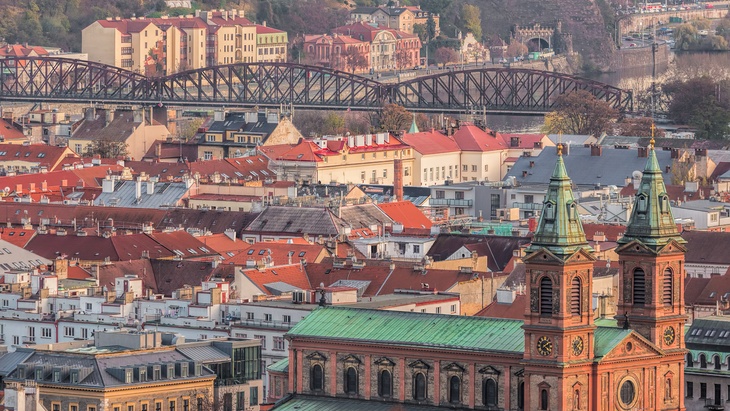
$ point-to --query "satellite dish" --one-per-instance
(6, 190)
(636, 174)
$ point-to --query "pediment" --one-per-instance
(520, 373)
(489, 370)
(317, 356)
(672, 247)
(351, 359)
(580, 256)
(419, 364)
(453, 367)
(635, 247)
(542, 256)
(543, 384)
(385, 361)
(632, 346)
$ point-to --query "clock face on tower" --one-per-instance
(669, 335)
(544, 346)
(577, 346)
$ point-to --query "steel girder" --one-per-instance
(273, 84)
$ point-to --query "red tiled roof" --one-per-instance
(77, 273)
(431, 142)
(17, 236)
(90, 248)
(9, 132)
(267, 30)
(223, 244)
(612, 231)
(717, 288)
(183, 244)
(693, 288)
(305, 150)
(43, 154)
(86, 177)
(406, 213)
(19, 50)
(291, 274)
(514, 310)
(472, 138)
(280, 251)
(135, 246)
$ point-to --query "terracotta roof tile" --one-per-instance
(293, 275)
(472, 138)
(17, 236)
(431, 142)
(406, 213)
(514, 310)
(280, 251)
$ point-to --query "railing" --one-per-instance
(714, 404)
(263, 324)
(452, 202)
(28, 339)
(527, 206)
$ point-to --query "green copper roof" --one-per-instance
(310, 403)
(607, 338)
(279, 366)
(559, 229)
(414, 127)
(413, 329)
(651, 219)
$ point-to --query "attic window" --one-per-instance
(262, 252)
(302, 253)
(250, 252)
(27, 154)
(41, 155)
(192, 251)
(203, 249)
(17, 154)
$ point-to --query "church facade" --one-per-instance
(556, 359)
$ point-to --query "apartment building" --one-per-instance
(390, 48)
(166, 45)
(395, 17)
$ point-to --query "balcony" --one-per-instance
(451, 202)
(28, 339)
(714, 404)
(527, 206)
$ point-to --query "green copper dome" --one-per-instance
(560, 230)
(414, 127)
(651, 220)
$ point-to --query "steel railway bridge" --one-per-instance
(496, 90)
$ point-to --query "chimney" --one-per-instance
(643, 152)
(675, 153)
(150, 187)
(524, 173)
(263, 23)
(667, 169)
(138, 189)
(44, 186)
(398, 179)
(596, 150)
(230, 233)
(31, 187)
(18, 188)
(60, 266)
(700, 152)
(64, 183)
(109, 117)
(532, 163)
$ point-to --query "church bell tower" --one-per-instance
(559, 329)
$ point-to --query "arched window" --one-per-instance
(489, 394)
(543, 399)
(521, 396)
(639, 287)
(575, 296)
(546, 296)
(351, 381)
(454, 390)
(716, 361)
(690, 361)
(703, 361)
(419, 386)
(316, 380)
(385, 384)
(667, 287)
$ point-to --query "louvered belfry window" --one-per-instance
(546, 296)
(668, 287)
(575, 296)
(639, 287)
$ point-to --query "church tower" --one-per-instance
(559, 329)
(651, 254)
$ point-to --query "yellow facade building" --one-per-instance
(166, 45)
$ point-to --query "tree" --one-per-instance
(471, 16)
(402, 59)
(701, 103)
(682, 171)
(579, 112)
(430, 28)
(421, 31)
(106, 148)
(685, 36)
(354, 59)
(445, 55)
(637, 127)
(334, 124)
(516, 49)
(188, 128)
(393, 118)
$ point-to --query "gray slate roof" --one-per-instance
(295, 221)
(611, 168)
(205, 354)
(124, 195)
(10, 360)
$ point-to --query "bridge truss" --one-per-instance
(505, 90)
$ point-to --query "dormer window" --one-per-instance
(549, 211)
(641, 204)
(664, 203)
(128, 376)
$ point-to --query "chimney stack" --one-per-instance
(398, 179)
(596, 150)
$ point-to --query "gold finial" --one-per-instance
(560, 149)
(651, 142)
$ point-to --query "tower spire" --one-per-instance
(559, 230)
(651, 220)
(414, 126)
